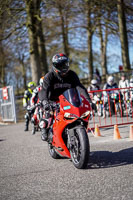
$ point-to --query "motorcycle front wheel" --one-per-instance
(80, 148)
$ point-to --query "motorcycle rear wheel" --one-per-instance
(52, 151)
(80, 149)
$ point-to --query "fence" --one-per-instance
(111, 107)
(7, 104)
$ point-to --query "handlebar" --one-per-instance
(30, 108)
(54, 105)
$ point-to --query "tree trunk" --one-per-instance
(90, 34)
(90, 55)
(123, 35)
(21, 61)
(64, 32)
(41, 40)
(42, 49)
(24, 75)
(2, 56)
(32, 30)
(2, 67)
(103, 41)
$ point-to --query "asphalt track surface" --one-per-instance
(27, 172)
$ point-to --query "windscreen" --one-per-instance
(73, 97)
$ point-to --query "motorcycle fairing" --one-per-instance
(61, 122)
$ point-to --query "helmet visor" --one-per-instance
(62, 67)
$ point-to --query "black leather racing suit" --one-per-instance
(54, 86)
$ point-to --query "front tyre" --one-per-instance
(80, 149)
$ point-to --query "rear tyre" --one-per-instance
(80, 148)
(53, 152)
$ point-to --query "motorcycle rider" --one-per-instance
(131, 89)
(124, 83)
(131, 83)
(109, 85)
(130, 100)
(59, 79)
(94, 95)
(94, 85)
(34, 100)
(26, 102)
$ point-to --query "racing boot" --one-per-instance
(26, 122)
(26, 128)
(33, 126)
(44, 134)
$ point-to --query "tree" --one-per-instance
(103, 18)
(32, 30)
(90, 31)
(64, 26)
(2, 66)
(37, 47)
(123, 34)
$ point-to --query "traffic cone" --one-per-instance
(116, 133)
(131, 132)
(97, 131)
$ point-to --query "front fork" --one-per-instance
(71, 139)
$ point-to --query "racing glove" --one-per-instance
(47, 108)
(46, 105)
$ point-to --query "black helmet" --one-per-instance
(60, 63)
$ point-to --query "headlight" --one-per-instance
(70, 115)
(85, 114)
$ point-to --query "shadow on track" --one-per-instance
(1, 140)
(106, 159)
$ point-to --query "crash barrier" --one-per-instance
(111, 107)
(7, 104)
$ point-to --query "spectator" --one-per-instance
(124, 83)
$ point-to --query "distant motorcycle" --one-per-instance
(97, 100)
(130, 105)
(114, 104)
(118, 103)
(37, 116)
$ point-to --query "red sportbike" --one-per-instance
(68, 135)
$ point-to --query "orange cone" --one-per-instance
(131, 132)
(97, 131)
(116, 133)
